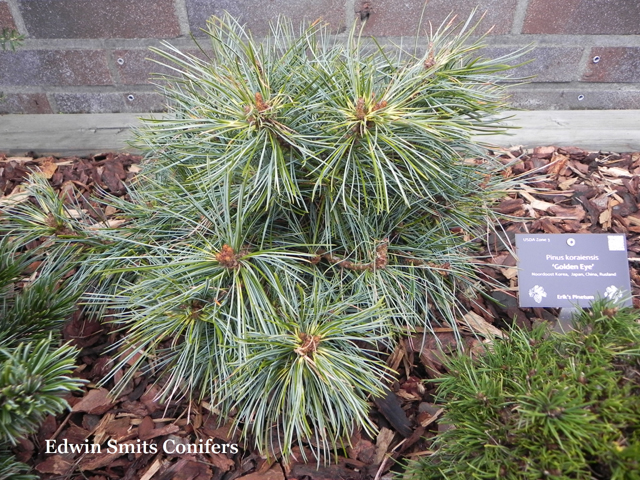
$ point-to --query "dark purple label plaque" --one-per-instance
(565, 270)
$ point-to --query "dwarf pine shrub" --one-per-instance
(544, 405)
(304, 202)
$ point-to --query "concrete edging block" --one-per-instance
(81, 134)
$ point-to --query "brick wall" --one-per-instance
(90, 55)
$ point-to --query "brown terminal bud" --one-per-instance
(361, 112)
(309, 344)
(227, 257)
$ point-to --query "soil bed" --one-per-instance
(580, 192)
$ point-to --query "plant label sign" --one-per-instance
(569, 270)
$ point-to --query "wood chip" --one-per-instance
(383, 440)
(557, 164)
(568, 213)
(566, 185)
(155, 466)
(480, 326)
(55, 464)
(225, 464)
(615, 172)
(431, 418)
(18, 195)
(94, 461)
(96, 402)
(19, 160)
(390, 407)
(535, 203)
(605, 219)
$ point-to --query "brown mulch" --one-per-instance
(580, 192)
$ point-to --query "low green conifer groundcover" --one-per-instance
(311, 270)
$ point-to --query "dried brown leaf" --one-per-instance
(48, 167)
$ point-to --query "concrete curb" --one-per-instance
(82, 134)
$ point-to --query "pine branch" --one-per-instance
(379, 263)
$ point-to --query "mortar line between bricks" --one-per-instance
(17, 17)
(123, 89)
(543, 40)
(52, 102)
(583, 65)
(349, 14)
(79, 89)
(100, 43)
(180, 7)
(493, 40)
(111, 66)
(548, 40)
(587, 86)
(519, 17)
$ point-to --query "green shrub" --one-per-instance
(34, 370)
(544, 405)
(305, 200)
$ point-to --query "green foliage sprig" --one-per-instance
(315, 369)
(39, 307)
(10, 39)
(33, 380)
(11, 469)
(543, 405)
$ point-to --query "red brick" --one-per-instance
(89, 102)
(546, 64)
(24, 103)
(615, 64)
(142, 102)
(136, 67)
(54, 67)
(257, 14)
(394, 18)
(583, 17)
(569, 99)
(109, 102)
(6, 19)
(100, 19)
